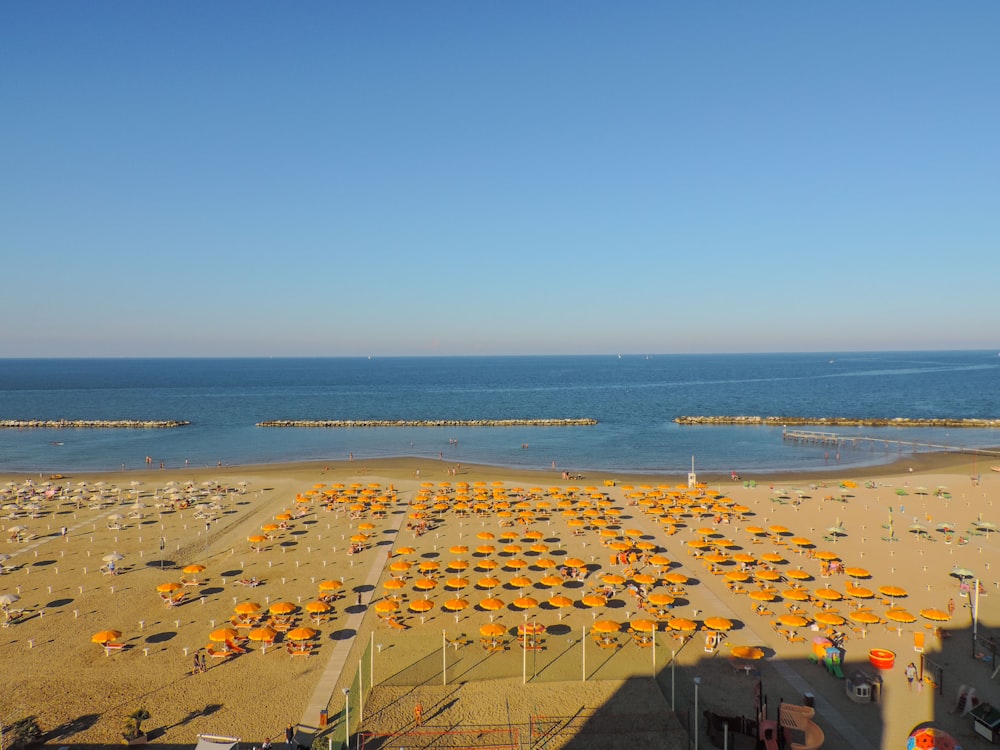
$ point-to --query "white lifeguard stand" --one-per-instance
(692, 477)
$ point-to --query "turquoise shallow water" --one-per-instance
(634, 399)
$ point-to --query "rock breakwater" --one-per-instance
(837, 421)
(426, 422)
(89, 424)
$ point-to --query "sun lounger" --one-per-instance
(113, 646)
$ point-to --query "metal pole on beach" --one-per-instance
(347, 718)
(444, 658)
(524, 657)
(361, 689)
(583, 651)
(673, 656)
(974, 603)
(697, 682)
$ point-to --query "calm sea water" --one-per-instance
(634, 398)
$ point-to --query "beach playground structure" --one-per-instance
(831, 656)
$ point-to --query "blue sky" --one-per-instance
(339, 179)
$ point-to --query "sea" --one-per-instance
(634, 398)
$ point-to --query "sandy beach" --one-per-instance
(457, 538)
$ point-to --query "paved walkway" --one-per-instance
(334, 669)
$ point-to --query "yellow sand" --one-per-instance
(53, 670)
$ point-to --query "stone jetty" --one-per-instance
(90, 424)
(426, 422)
(838, 421)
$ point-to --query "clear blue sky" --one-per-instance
(368, 178)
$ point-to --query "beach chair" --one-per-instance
(711, 642)
(113, 646)
(219, 653)
(918, 642)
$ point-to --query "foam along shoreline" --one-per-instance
(87, 424)
(337, 423)
(836, 421)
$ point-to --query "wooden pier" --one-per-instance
(814, 437)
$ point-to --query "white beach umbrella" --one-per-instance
(7, 599)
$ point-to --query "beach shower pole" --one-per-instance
(654, 655)
(444, 657)
(371, 661)
(583, 649)
(361, 689)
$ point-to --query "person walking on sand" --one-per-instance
(911, 674)
(289, 736)
(418, 714)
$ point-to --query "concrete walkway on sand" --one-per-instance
(332, 672)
